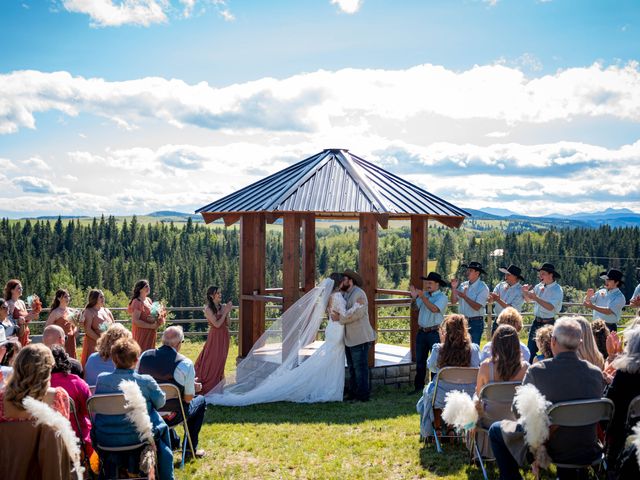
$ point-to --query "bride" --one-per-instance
(279, 366)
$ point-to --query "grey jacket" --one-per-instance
(357, 329)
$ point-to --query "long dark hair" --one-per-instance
(337, 279)
(92, 299)
(61, 358)
(211, 291)
(456, 348)
(505, 352)
(61, 292)
(140, 284)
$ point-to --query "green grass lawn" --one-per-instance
(374, 440)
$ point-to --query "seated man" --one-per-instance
(54, 335)
(166, 365)
(565, 377)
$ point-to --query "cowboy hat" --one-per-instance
(513, 270)
(435, 277)
(612, 274)
(355, 276)
(549, 268)
(474, 265)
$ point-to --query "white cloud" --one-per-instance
(491, 3)
(321, 100)
(348, 6)
(31, 184)
(107, 13)
(6, 164)
(36, 163)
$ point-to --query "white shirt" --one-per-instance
(552, 294)
(509, 294)
(476, 291)
(613, 300)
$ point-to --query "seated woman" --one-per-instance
(508, 316)
(588, 350)
(116, 430)
(77, 389)
(600, 333)
(505, 365)
(543, 342)
(100, 361)
(625, 386)
(455, 350)
(34, 453)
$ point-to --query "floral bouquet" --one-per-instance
(34, 303)
(104, 326)
(74, 315)
(158, 312)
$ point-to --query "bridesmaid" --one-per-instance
(143, 327)
(18, 310)
(213, 357)
(96, 321)
(61, 315)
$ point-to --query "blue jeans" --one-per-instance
(195, 417)
(476, 326)
(509, 469)
(358, 363)
(424, 342)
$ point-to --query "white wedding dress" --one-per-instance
(318, 377)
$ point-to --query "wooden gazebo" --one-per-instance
(331, 184)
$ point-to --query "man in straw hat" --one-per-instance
(432, 305)
(608, 302)
(358, 336)
(507, 293)
(547, 298)
(473, 296)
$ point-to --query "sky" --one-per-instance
(133, 106)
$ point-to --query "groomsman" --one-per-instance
(507, 293)
(547, 298)
(432, 305)
(473, 296)
(608, 302)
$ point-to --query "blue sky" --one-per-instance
(129, 107)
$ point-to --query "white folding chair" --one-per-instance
(456, 376)
(172, 392)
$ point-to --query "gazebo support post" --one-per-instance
(419, 265)
(290, 259)
(252, 279)
(309, 252)
(368, 268)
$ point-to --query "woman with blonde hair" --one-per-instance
(100, 361)
(543, 343)
(508, 316)
(96, 320)
(588, 350)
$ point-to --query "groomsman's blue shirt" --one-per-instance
(427, 318)
(613, 300)
(511, 295)
(476, 291)
(552, 294)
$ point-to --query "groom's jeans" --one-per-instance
(358, 363)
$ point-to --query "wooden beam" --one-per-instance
(419, 259)
(383, 220)
(272, 217)
(211, 217)
(309, 252)
(368, 268)
(252, 280)
(232, 218)
(451, 222)
(290, 259)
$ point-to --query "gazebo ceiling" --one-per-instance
(334, 183)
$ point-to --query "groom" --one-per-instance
(358, 336)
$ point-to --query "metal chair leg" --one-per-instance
(484, 471)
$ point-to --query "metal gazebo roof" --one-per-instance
(335, 183)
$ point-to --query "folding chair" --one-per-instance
(499, 396)
(172, 392)
(111, 404)
(92, 389)
(453, 376)
(581, 413)
(83, 445)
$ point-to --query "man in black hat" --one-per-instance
(432, 305)
(608, 302)
(507, 293)
(547, 298)
(473, 296)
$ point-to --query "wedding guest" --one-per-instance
(508, 316)
(473, 295)
(61, 315)
(54, 335)
(143, 327)
(625, 386)
(78, 391)
(6, 322)
(18, 310)
(432, 305)
(213, 357)
(635, 298)
(547, 298)
(588, 350)
(96, 320)
(543, 343)
(608, 302)
(5, 370)
(9, 351)
(117, 430)
(455, 350)
(600, 333)
(100, 361)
